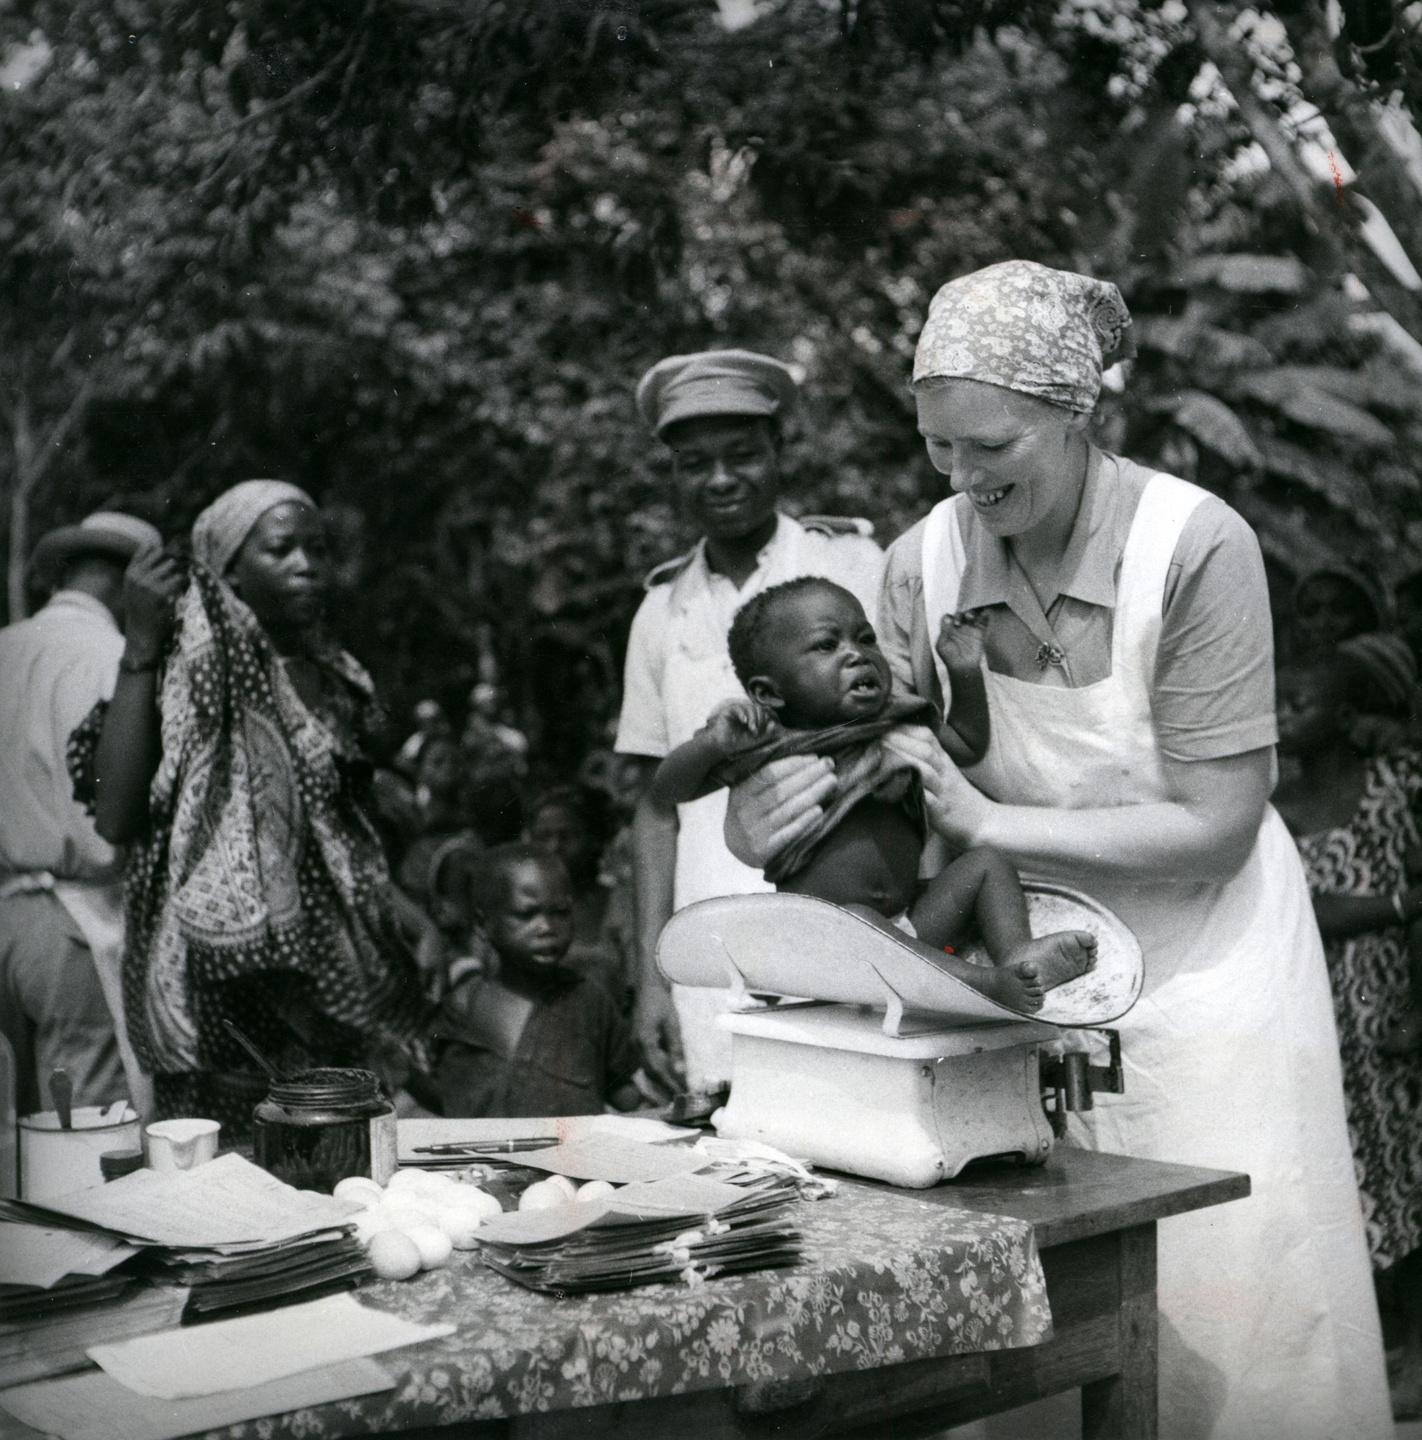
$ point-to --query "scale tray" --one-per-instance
(798, 946)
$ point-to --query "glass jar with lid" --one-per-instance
(315, 1129)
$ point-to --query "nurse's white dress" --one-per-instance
(1269, 1326)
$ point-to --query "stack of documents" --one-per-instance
(159, 1386)
(684, 1228)
(62, 1289)
(227, 1237)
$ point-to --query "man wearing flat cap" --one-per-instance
(61, 886)
(720, 412)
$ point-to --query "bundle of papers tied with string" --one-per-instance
(684, 1229)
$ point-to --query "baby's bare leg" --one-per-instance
(1000, 983)
(983, 885)
(980, 886)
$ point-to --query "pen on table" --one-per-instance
(488, 1147)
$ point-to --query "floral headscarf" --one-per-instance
(1029, 328)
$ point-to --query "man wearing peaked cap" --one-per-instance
(61, 886)
(715, 382)
(720, 412)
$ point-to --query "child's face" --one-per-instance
(532, 927)
(560, 829)
(824, 662)
(1309, 715)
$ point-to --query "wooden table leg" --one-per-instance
(1125, 1406)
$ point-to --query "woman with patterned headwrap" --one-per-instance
(231, 760)
(1358, 820)
(1129, 669)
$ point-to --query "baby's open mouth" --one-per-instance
(867, 685)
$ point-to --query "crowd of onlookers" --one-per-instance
(1350, 742)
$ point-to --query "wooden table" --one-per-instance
(1094, 1217)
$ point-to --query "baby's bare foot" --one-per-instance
(1008, 986)
(1052, 960)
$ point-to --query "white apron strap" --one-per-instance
(1166, 504)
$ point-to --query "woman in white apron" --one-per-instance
(1121, 762)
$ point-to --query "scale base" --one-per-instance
(825, 1084)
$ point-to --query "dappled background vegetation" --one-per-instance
(414, 254)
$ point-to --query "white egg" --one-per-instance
(405, 1212)
(373, 1221)
(442, 1189)
(479, 1200)
(360, 1189)
(394, 1255)
(432, 1243)
(568, 1187)
(461, 1225)
(596, 1190)
(542, 1196)
(412, 1182)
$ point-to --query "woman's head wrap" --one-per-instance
(1390, 668)
(219, 531)
(1029, 328)
(1366, 594)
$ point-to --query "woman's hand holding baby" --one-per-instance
(776, 806)
(955, 809)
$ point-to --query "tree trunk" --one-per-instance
(32, 462)
(1382, 174)
(25, 480)
(1334, 226)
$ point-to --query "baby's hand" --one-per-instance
(736, 725)
(960, 639)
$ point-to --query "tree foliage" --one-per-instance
(415, 254)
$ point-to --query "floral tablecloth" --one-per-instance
(886, 1278)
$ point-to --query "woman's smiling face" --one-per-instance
(1019, 460)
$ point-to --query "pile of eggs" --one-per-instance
(420, 1218)
(417, 1221)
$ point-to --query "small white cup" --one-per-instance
(181, 1144)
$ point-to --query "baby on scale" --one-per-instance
(819, 684)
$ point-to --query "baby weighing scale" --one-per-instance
(853, 1051)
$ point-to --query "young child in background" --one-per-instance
(819, 684)
(537, 1038)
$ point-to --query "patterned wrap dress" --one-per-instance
(1370, 991)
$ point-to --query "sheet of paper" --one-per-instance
(255, 1349)
(225, 1202)
(34, 1255)
(93, 1406)
(434, 1131)
(607, 1157)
